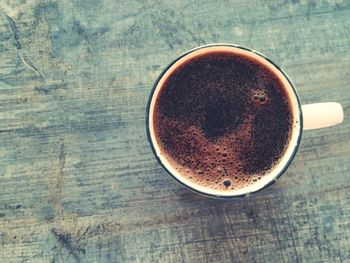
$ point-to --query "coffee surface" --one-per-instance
(223, 120)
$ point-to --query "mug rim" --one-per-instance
(293, 88)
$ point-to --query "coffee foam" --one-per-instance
(210, 164)
(216, 157)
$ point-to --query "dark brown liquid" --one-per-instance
(224, 120)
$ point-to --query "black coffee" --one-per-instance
(224, 120)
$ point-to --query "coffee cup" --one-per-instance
(226, 121)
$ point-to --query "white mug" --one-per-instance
(306, 117)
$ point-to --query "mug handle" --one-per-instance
(321, 115)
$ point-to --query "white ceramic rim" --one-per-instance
(291, 148)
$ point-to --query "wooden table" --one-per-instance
(78, 180)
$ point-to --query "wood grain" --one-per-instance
(78, 181)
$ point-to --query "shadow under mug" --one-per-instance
(306, 117)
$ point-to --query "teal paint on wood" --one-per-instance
(78, 180)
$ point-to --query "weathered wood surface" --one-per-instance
(78, 181)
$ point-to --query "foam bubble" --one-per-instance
(227, 182)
